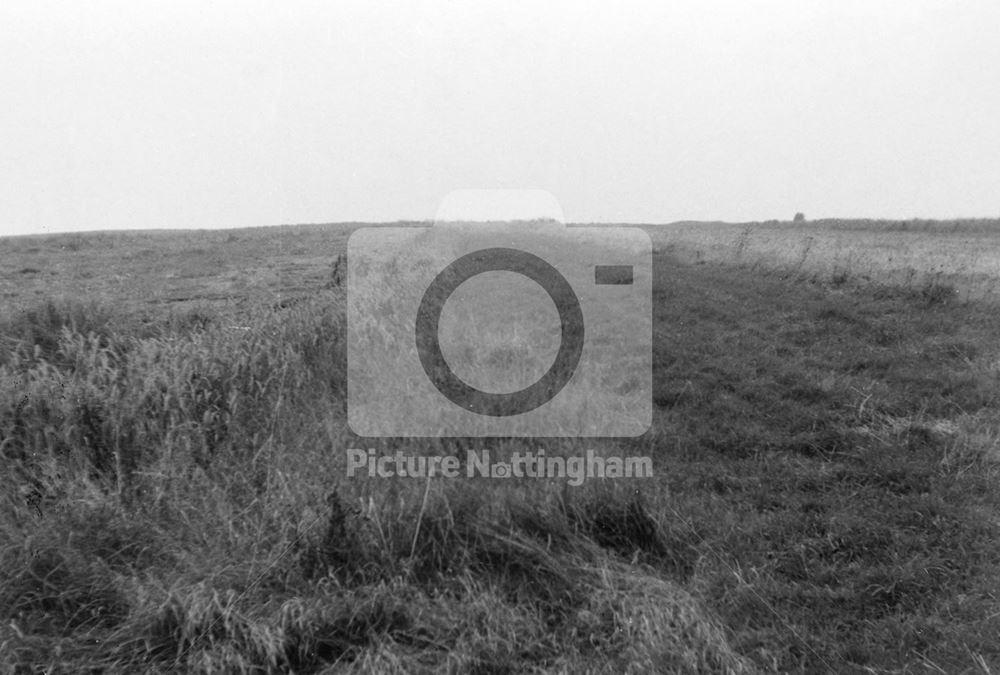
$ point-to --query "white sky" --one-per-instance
(134, 115)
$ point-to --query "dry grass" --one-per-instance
(175, 500)
(924, 255)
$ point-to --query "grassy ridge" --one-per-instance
(177, 502)
(825, 497)
(933, 257)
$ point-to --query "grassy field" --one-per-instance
(826, 440)
(922, 254)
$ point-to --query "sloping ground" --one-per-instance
(825, 498)
(833, 457)
(960, 257)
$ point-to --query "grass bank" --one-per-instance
(825, 497)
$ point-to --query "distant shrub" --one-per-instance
(936, 292)
(338, 272)
(840, 276)
(799, 218)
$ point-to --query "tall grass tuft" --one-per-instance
(173, 505)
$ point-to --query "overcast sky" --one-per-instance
(137, 115)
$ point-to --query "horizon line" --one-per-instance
(431, 222)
